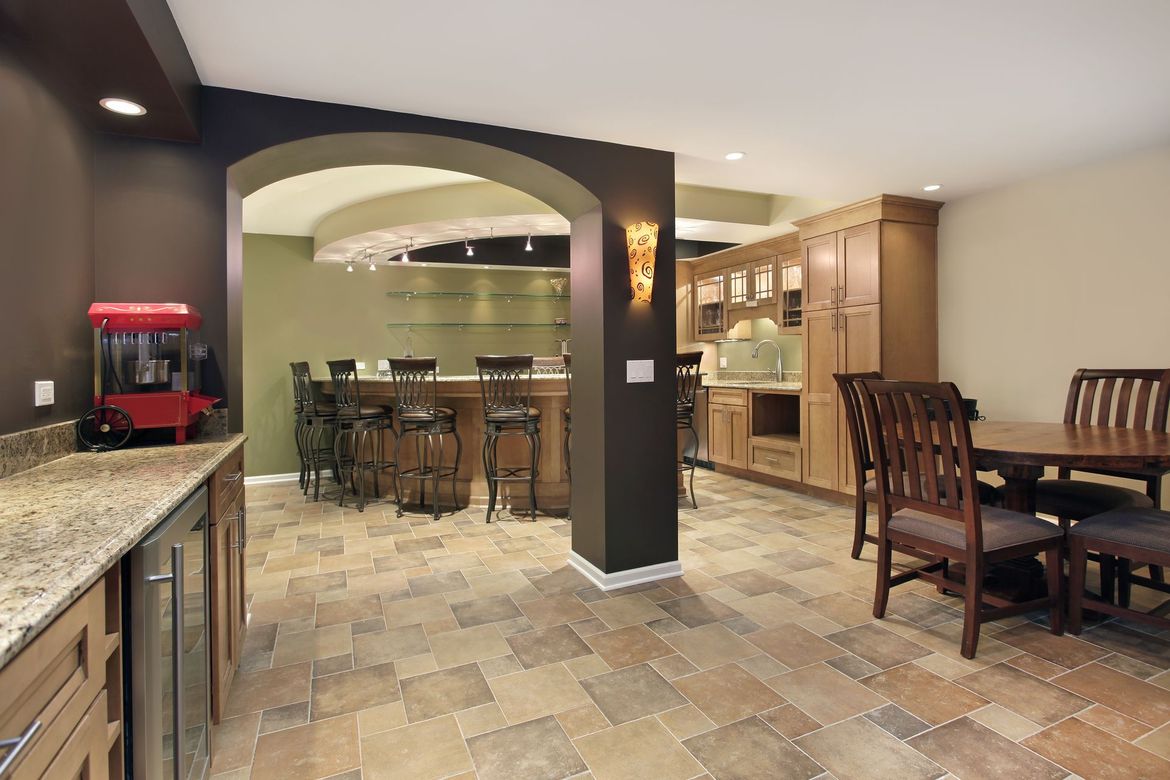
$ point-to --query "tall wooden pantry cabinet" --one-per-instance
(870, 304)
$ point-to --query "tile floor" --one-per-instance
(387, 648)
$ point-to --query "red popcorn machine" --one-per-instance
(146, 363)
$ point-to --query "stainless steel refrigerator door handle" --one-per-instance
(17, 744)
(177, 628)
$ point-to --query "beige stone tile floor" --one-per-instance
(384, 647)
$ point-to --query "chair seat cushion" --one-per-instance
(365, 411)
(988, 494)
(1146, 528)
(1001, 528)
(417, 415)
(1077, 499)
(517, 415)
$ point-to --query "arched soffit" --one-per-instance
(481, 200)
(543, 182)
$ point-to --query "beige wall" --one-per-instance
(1064, 271)
(295, 309)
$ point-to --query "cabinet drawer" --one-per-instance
(53, 682)
(727, 396)
(778, 458)
(226, 484)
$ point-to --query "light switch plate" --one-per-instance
(43, 394)
(723, 362)
(639, 371)
(361, 366)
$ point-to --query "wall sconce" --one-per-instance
(642, 243)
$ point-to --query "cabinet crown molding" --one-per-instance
(746, 253)
(892, 208)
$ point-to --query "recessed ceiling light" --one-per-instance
(734, 156)
(932, 187)
(122, 106)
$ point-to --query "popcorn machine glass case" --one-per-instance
(147, 361)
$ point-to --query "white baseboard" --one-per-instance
(273, 479)
(624, 579)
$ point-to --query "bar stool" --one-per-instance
(686, 383)
(568, 414)
(505, 384)
(355, 422)
(314, 430)
(415, 391)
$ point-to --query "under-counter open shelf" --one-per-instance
(486, 296)
(775, 415)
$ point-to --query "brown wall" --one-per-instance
(46, 237)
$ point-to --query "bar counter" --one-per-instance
(462, 393)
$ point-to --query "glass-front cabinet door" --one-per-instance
(710, 314)
(739, 286)
(763, 273)
(791, 296)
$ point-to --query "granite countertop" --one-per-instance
(786, 387)
(63, 524)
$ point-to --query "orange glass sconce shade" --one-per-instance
(642, 243)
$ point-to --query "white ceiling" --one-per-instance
(839, 99)
(294, 206)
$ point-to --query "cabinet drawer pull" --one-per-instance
(241, 530)
(833, 294)
(16, 745)
(233, 477)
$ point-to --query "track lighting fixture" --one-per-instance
(349, 266)
(528, 246)
(470, 249)
(406, 252)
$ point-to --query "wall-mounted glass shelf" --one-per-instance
(462, 325)
(486, 296)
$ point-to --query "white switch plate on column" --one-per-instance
(723, 362)
(639, 371)
(43, 394)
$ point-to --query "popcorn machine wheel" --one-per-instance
(146, 372)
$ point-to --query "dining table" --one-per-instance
(1020, 451)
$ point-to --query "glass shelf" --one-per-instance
(486, 296)
(462, 325)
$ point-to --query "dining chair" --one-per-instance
(1118, 398)
(849, 387)
(1138, 535)
(925, 466)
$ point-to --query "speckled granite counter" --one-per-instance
(63, 524)
(759, 387)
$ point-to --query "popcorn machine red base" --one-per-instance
(147, 360)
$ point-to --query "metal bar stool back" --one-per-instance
(686, 384)
(314, 432)
(505, 383)
(569, 429)
(358, 446)
(415, 393)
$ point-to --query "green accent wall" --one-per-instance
(295, 309)
(739, 353)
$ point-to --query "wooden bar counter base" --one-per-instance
(462, 393)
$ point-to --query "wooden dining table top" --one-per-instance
(1062, 444)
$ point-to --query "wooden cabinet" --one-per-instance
(710, 314)
(727, 427)
(61, 697)
(228, 610)
(744, 283)
(870, 285)
(775, 456)
(752, 285)
(790, 293)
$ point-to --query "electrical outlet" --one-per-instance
(723, 362)
(43, 394)
(361, 366)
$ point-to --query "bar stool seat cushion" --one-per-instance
(517, 415)
(1140, 527)
(569, 413)
(988, 494)
(325, 409)
(683, 410)
(1001, 528)
(1077, 499)
(365, 411)
(419, 415)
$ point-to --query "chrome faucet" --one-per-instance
(779, 364)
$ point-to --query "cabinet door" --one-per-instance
(710, 316)
(819, 418)
(85, 755)
(225, 606)
(238, 589)
(718, 434)
(820, 272)
(790, 294)
(739, 286)
(737, 436)
(858, 265)
(764, 277)
(859, 348)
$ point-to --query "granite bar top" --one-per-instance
(782, 387)
(63, 524)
